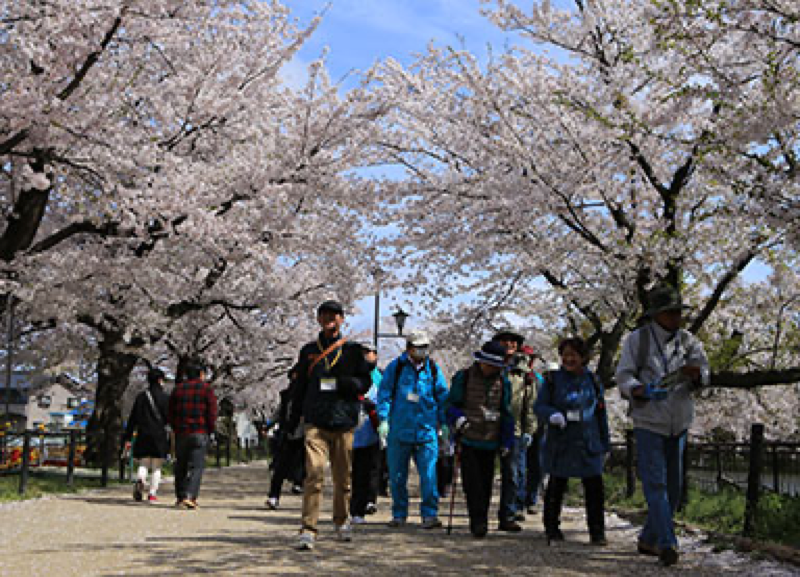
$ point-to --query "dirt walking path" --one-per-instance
(104, 532)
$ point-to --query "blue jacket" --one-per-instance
(578, 449)
(365, 434)
(411, 402)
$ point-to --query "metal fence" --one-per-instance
(752, 467)
(33, 452)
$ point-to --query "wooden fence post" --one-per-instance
(753, 478)
(776, 470)
(26, 462)
(630, 473)
(71, 458)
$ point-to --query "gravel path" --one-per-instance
(105, 533)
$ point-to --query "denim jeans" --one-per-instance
(190, 461)
(512, 481)
(660, 469)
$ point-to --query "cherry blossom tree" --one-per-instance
(563, 178)
(165, 190)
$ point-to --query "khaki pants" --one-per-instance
(322, 444)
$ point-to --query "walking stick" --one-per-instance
(453, 490)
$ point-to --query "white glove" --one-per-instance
(383, 432)
(558, 420)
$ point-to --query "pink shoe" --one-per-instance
(152, 499)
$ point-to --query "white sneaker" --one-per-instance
(357, 520)
(372, 508)
(272, 503)
(344, 532)
(305, 541)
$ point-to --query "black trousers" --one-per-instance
(365, 478)
(595, 504)
(533, 471)
(288, 464)
(190, 462)
(444, 473)
(477, 473)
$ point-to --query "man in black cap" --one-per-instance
(331, 376)
(660, 366)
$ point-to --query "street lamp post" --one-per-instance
(400, 317)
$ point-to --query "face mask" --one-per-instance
(418, 355)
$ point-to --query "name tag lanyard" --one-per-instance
(414, 395)
(329, 364)
(675, 352)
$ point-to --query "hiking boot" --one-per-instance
(397, 522)
(371, 509)
(357, 520)
(509, 525)
(431, 523)
(272, 503)
(305, 541)
(344, 532)
(138, 490)
(668, 556)
(478, 530)
(647, 549)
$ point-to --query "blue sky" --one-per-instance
(357, 33)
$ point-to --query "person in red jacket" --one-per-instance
(192, 416)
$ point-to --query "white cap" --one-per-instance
(417, 339)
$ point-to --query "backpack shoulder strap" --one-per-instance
(398, 369)
(325, 353)
(157, 413)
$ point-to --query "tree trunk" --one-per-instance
(113, 375)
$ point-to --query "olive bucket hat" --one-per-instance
(664, 298)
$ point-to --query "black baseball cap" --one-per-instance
(333, 306)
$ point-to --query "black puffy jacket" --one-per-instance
(336, 409)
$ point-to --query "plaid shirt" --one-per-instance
(192, 408)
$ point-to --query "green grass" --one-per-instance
(777, 517)
(40, 485)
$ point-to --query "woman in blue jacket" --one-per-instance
(570, 402)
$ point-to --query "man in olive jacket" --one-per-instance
(332, 375)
